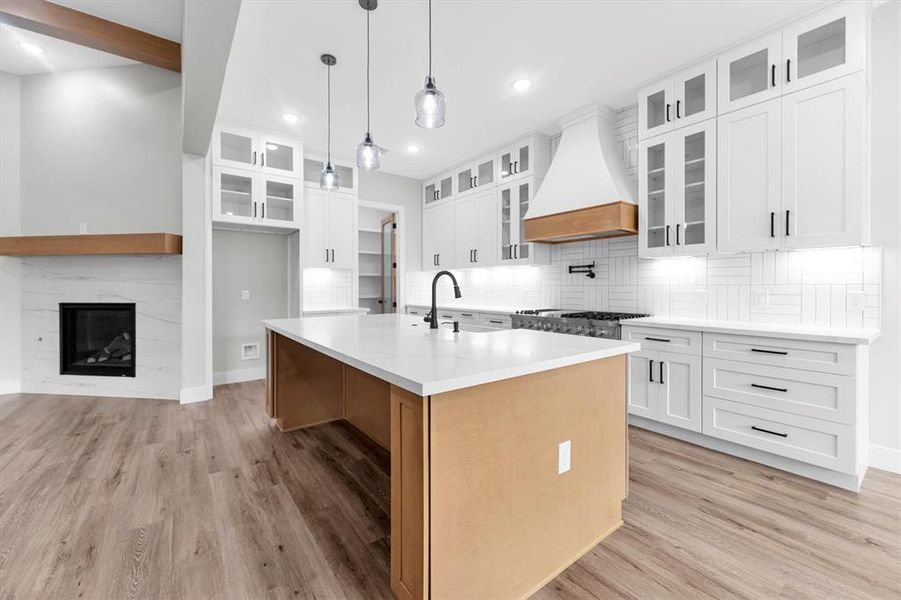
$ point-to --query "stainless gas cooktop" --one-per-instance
(591, 323)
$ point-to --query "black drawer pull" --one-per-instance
(762, 351)
(495, 321)
(768, 387)
(762, 430)
(650, 339)
(466, 314)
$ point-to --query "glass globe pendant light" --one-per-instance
(368, 152)
(429, 101)
(328, 178)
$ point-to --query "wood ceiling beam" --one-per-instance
(81, 28)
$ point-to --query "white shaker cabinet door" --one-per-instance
(823, 177)
(679, 390)
(749, 166)
(342, 230)
(643, 378)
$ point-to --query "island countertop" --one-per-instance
(402, 350)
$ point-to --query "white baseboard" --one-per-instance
(885, 458)
(239, 375)
(200, 393)
(10, 386)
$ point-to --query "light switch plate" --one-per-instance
(245, 294)
(855, 300)
(564, 457)
(760, 298)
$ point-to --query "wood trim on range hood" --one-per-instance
(616, 219)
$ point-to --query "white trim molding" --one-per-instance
(885, 458)
(239, 375)
(200, 393)
(10, 386)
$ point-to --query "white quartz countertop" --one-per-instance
(402, 350)
(796, 332)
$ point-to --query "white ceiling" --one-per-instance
(162, 18)
(58, 55)
(576, 52)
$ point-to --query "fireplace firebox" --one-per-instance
(97, 339)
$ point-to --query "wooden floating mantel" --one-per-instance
(90, 245)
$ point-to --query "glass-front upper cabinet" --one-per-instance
(516, 161)
(439, 189)
(346, 172)
(515, 199)
(654, 187)
(673, 102)
(280, 200)
(750, 74)
(827, 45)
(474, 175)
(694, 189)
(234, 195)
(246, 149)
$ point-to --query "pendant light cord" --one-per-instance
(367, 72)
(328, 118)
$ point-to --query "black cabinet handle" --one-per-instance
(254, 210)
(495, 321)
(762, 351)
(326, 255)
(762, 430)
(788, 69)
(475, 181)
(515, 250)
(667, 235)
(516, 166)
(678, 102)
(667, 112)
(651, 371)
(653, 339)
(254, 157)
(787, 233)
(768, 387)
(263, 210)
(262, 159)
(773, 75)
(466, 314)
(438, 259)
(475, 254)
(772, 224)
(333, 255)
(678, 225)
(661, 372)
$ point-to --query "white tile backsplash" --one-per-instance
(327, 288)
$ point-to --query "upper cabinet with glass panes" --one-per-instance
(678, 101)
(240, 148)
(345, 170)
(527, 157)
(825, 46)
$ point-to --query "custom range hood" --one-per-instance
(586, 193)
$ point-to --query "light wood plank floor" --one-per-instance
(110, 498)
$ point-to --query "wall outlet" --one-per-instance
(564, 457)
(82, 228)
(245, 294)
(250, 351)
(855, 300)
(701, 297)
(760, 298)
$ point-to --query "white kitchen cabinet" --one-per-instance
(438, 233)
(666, 387)
(673, 102)
(527, 157)
(749, 167)
(825, 46)
(475, 226)
(346, 172)
(677, 191)
(749, 74)
(330, 229)
(824, 182)
(242, 197)
(514, 199)
(477, 174)
(241, 148)
(436, 190)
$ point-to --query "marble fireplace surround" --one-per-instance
(153, 283)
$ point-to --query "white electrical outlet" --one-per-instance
(245, 294)
(82, 228)
(760, 298)
(855, 300)
(564, 457)
(701, 297)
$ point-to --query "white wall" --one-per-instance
(257, 262)
(101, 147)
(376, 186)
(885, 357)
(10, 219)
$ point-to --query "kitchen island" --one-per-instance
(508, 448)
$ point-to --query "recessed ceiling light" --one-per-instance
(271, 147)
(413, 149)
(32, 48)
(290, 118)
(521, 85)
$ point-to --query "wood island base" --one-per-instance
(478, 509)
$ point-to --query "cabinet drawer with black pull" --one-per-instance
(822, 443)
(825, 357)
(668, 340)
(808, 393)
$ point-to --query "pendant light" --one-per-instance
(430, 102)
(368, 152)
(328, 178)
